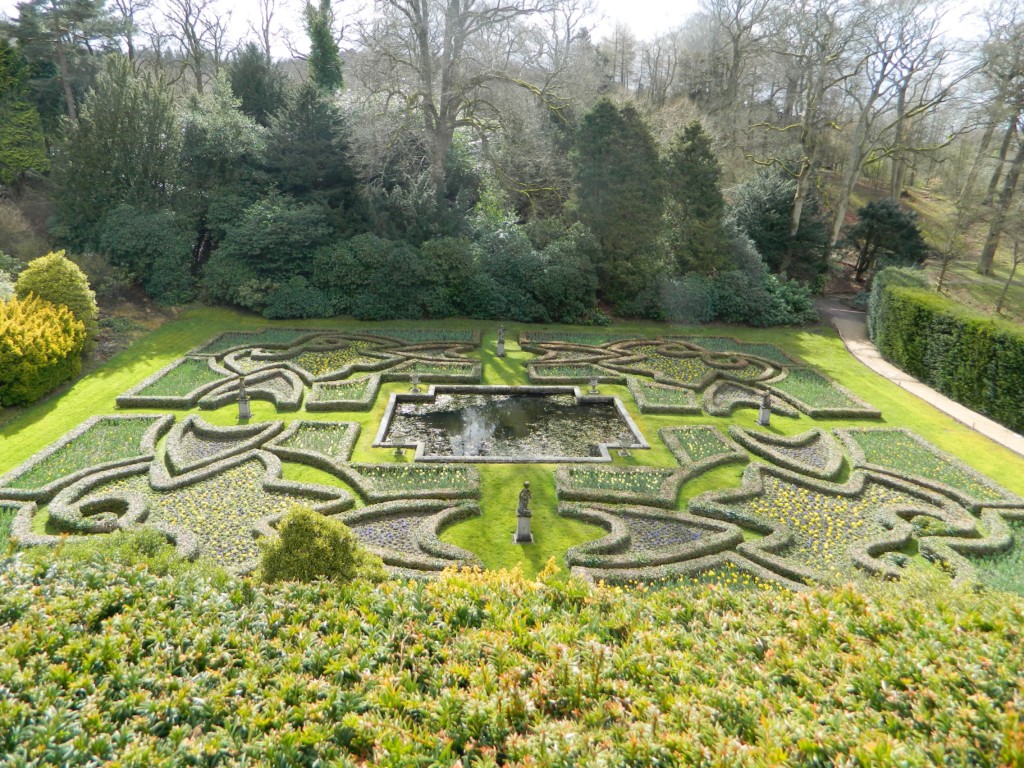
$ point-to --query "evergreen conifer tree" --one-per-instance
(695, 206)
(22, 145)
(324, 56)
(619, 196)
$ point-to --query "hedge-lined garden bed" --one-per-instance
(795, 527)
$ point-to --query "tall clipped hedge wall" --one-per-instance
(969, 357)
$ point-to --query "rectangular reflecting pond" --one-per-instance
(514, 424)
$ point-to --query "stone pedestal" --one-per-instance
(244, 412)
(523, 534)
(764, 416)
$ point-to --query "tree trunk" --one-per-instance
(1009, 280)
(65, 79)
(972, 175)
(1004, 149)
(995, 230)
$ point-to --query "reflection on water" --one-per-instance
(514, 425)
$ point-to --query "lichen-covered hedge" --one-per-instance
(104, 664)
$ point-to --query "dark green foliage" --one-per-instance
(155, 247)
(884, 235)
(308, 153)
(694, 204)
(373, 279)
(451, 263)
(276, 237)
(761, 208)
(509, 269)
(56, 279)
(747, 298)
(124, 150)
(620, 194)
(260, 87)
(324, 57)
(63, 41)
(311, 547)
(567, 284)
(970, 357)
(22, 147)
(296, 298)
(410, 211)
(221, 149)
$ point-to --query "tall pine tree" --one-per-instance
(620, 197)
(308, 153)
(695, 206)
(22, 146)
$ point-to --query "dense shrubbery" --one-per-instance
(970, 357)
(155, 247)
(885, 234)
(40, 348)
(311, 546)
(300, 674)
(55, 279)
(751, 298)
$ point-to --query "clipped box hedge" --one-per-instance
(967, 356)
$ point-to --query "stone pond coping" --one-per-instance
(434, 390)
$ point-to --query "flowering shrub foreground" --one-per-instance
(105, 663)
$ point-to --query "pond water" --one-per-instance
(523, 426)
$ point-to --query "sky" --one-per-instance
(646, 18)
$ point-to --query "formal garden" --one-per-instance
(689, 487)
(851, 563)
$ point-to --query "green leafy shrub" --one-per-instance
(885, 234)
(761, 300)
(155, 246)
(317, 673)
(566, 285)
(311, 546)
(276, 235)
(451, 261)
(372, 279)
(40, 348)
(55, 279)
(296, 298)
(969, 357)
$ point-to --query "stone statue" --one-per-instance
(501, 341)
(764, 413)
(524, 501)
(523, 535)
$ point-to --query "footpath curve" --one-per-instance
(852, 327)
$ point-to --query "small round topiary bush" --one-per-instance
(311, 546)
(56, 279)
(40, 348)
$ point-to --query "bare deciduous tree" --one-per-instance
(442, 59)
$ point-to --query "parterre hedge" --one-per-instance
(972, 358)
